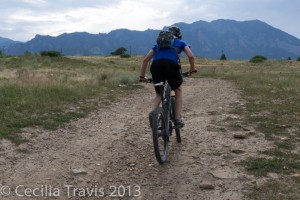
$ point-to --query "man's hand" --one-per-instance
(144, 79)
(192, 71)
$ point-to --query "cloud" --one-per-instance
(46, 18)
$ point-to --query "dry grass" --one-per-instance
(272, 92)
(47, 92)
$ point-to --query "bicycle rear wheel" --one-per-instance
(177, 130)
(160, 137)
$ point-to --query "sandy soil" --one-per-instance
(109, 154)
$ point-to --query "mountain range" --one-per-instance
(5, 42)
(238, 40)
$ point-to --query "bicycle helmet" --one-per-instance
(175, 31)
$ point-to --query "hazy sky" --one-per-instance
(23, 19)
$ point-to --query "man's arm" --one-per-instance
(191, 57)
(147, 58)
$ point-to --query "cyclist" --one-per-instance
(166, 66)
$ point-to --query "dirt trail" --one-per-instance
(112, 149)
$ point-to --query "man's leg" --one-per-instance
(156, 101)
(155, 104)
(179, 102)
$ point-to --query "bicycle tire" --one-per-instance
(177, 130)
(160, 140)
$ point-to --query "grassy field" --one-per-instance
(47, 92)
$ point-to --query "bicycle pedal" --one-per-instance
(175, 127)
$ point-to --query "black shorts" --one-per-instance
(163, 70)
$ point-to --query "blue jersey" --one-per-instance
(169, 53)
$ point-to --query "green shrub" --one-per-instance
(298, 59)
(51, 53)
(124, 80)
(258, 59)
(125, 56)
(102, 77)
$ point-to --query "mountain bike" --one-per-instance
(162, 122)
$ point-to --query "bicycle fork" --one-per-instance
(168, 120)
(166, 105)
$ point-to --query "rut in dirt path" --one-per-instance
(112, 149)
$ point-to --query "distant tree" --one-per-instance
(27, 53)
(119, 51)
(289, 58)
(1, 53)
(298, 59)
(257, 59)
(223, 56)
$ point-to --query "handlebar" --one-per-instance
(187, 74)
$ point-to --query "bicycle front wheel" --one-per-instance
(160, 136)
